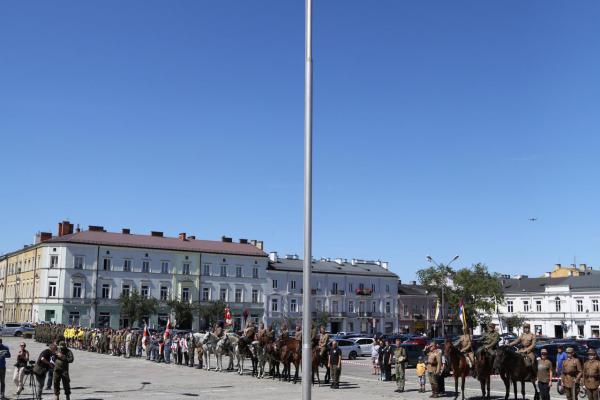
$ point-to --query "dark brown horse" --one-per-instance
(290, 354)
(512, 368)
(459, 365)
(484, 367)
(318, 360)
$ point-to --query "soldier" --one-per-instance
(571, 374)
(64, 357)
(544, 375)
(249, 332)
(284, 331)
(218, 332)
(434, 368)
(465, 346)
(298, 334)
(323, 340)
(191, 348)
(262, 332)
(527, 341)
(400, 356)
(270, 334)
(335, 365)
(490, 339)
(313, 335)
(591, 375)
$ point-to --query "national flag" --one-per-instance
(437, 310)
(228, 319)
(145, 337)
(168, 329)
(462, 315)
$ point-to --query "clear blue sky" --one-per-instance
(440, 127)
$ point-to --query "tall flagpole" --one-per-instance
(306, 294)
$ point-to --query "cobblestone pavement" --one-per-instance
(95, 377)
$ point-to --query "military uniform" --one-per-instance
(571, 374)
(61, 370)
(270, 334)
(298, 335)
(489, 340)
(400, 356)
(591, 375)
(527, 341)
(465, 345)
(323, 340)
(434, 368)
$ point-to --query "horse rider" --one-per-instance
(527, 341)
(323, 340)
(591, 374)
(313, 335)
(571, 374)
(249, 332)
(262, 332)
(465, 346)
(284, 331)
(298, 334)
(489, 340)
(270, 334)
(218, 331)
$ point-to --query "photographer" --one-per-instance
(61, 370)
(42, 366)
(22, 360)
(4, 354)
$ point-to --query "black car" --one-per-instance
(552, 348)
(413, 352)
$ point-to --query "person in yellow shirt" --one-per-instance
(421, 369)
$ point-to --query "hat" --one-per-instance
(592, 352)
(526, 325)
(544, 351)
(569, 349)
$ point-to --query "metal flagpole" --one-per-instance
(306, 295)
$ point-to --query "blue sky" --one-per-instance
(440, 127)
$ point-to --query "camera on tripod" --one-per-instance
(28, 369)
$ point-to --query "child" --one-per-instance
(421, 374)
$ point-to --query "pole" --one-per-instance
(443, 286)
(427, 312)
(306, 295)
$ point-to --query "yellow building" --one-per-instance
(561, 271)
(3, 264)
(19, 284)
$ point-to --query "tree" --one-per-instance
(512, 322)
(135, 306)
(213, 312)
(322, 318)
(184, 312)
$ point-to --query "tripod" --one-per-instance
(31, 381)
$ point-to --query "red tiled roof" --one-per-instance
(157, 242)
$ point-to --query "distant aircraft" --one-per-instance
(532, 219)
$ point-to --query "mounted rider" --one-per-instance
(249, 332)
(284, 331)
(489, 340)
(323, 340)
(218, 330)
(270, 334)
(298, 334)
(262, 332)
(465, 346)
(527, 340)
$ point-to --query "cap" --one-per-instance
(544, 351)
(592, 352)
(526, 325)
(569, 349)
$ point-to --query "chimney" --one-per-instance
(183, 236)
(273, 256)
(226, 239)
(126, 231)
(78, 229)
(385, 265)
(156, 234)
(548, 274)
(96, 228)
(192, 237)
(244, 241)
(414, 283)
(339, 261)
(399, 281)
(42, 237)
(583, 267)
(65, 228)
(260, 244)
(557, 266)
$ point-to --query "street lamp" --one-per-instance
(431, 260)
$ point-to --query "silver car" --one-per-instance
(365, 344)
(350, 350)
(15, 329)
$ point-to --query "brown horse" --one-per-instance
(484, 367)
(317, 360)
(459, 365)
(512, 368)
(290, 354)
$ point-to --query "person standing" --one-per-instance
(43, 364)
(191, 349)
(400, 356)
(387, 360)
(64, 357)
(561, 356)
(375, 357)
(544, 375)
(591, 375)
(22, 360)
(571, 374)
(335, 365)
(442, 375)
(434, 368)
(4, 354)
(421, 370)
(380, 353)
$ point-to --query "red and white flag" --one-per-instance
(145, 337)
(228, 320)
(168, 329)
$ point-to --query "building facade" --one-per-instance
(356, 296)
(416, 309)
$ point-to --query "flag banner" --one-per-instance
(463, 315)
(145, 337)
(228, 319)
(437, 310)
(168, 329)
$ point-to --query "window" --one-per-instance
(145, 266)
(361, 286)
(104, 320)
(106, 291)
(78, 264)
(223, 270)
(373, 287)
(205, 294)
(387, 288)
(538, 305)
(406, 310)
(318, 306)
(185, 294)
(127, 265)
(106, 264)
(595, 305)
(186, 269)
(292, 285)
(53, 261)
(274, 305)
(164, 267)
(334, 306)
(509, 306)
(373, 307)
(274, 283)
(238, 295)
(334, 288)
(350, 306)
(206, 270)
(293, 305)
(525, 305)
(580, 306)
(223, 294)
(388, 307)
(51, 289)
(350, 287)
(144, 292)
(255, 295)
(557, 304)
(238, 272)
(125, 290)
(77, 290)
(255, 273)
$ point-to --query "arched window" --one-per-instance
(557, 304)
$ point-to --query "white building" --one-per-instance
(555, 307)
(356, 296)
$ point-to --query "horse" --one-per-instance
(226, 347)
(512, 368)
(243, 350)
(261, 354)
(459, 365)
(209, 344)
(318, 360)
(484, 367)
(273, 356)
(290, 354)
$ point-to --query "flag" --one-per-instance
(228, 320)
(145, 337)
(437, 310)
(168, 329)
(463, 315)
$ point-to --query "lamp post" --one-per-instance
(431, 260)
(427, 312)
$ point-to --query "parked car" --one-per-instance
(593, 343)
(552, 350)
(413, 352)
(365, 344)
(350, 350)
(15, 329)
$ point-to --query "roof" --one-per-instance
(158, 242)
(580, 283)
(332, 267)
(411, 290)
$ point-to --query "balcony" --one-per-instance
(364, 292)
(313, 291)
(338, 292)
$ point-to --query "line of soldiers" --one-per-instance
(573, 374)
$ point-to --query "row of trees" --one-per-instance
(136, 307)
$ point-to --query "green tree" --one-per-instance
(135, 306)
(184, 312)
(213, 312)
(322, 318)
(512, 322)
